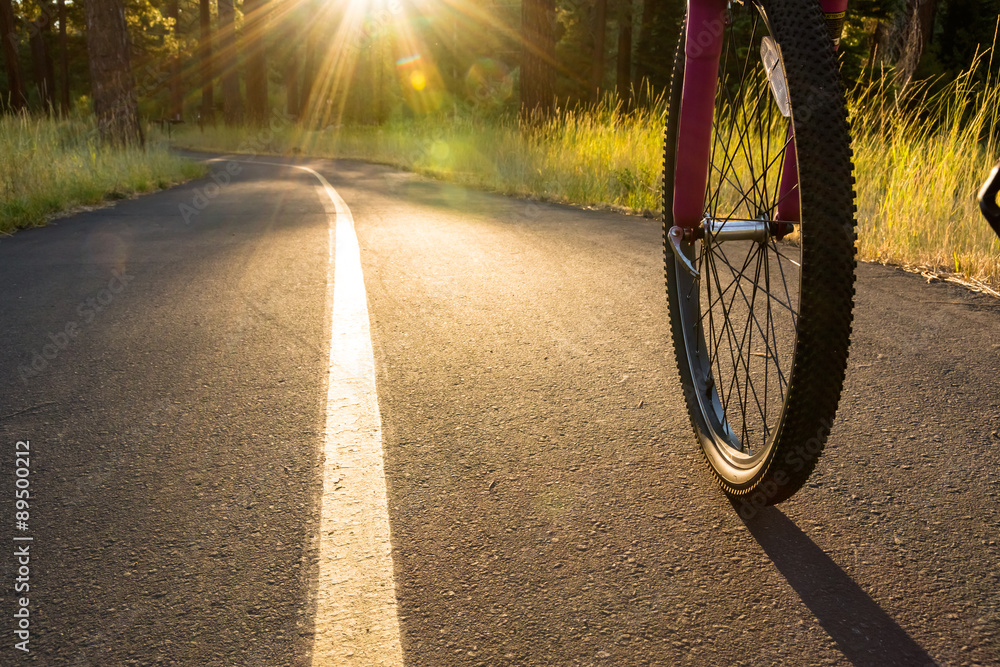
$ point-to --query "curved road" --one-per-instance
(168, 360)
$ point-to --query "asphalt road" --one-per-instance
(167, 358)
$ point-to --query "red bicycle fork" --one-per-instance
(703, 40)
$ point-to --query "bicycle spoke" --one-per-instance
(732, 109)
(793, 191)
(747, 338)
(711, 254)
(746, 194)
(746, 344)
(768, 350)
(782, 381)
(761, 260)
(742, 363)
(724, 174)
(741, 274)
(730, 333)
(741, 95)
(784, 281)
(768, 328)
(783, 255)
(765, 148)
(724, 59)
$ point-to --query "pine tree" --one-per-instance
(9, 31)
(111, 79)
(205, 64)
(624, 78)
(63, 60)
(600, 32)
(176, 104)
(232, 105)
(537, 58)
(659, 33)
(254, 29)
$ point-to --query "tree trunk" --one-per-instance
(254, 27)
(41, 27)
(176, 108)
(925, 10)
(917, 33)
(600, 33)
(874, 53)
(655, 46)
(232, 104)
(112, 85)
(308, 76)
(646, 19)
(205, 58)
(624, 78)
(9, 37)
(63, 60)
(292, 86)
(538, 58)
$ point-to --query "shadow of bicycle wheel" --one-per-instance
(864, 632)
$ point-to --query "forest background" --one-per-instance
(446, 87)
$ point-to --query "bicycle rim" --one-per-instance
(761, 379)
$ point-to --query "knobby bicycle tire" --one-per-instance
(725, 327)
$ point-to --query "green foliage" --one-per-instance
(574, 49)
(150, 30)
(965, 29)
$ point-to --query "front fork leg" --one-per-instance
(704, 30)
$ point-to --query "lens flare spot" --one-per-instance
(408, 60)
(418, 80)
(440, 151)
(488, 82)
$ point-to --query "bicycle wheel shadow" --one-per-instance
(864, 632)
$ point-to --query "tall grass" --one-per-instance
(583, 156)
(50, 166)
(920, 159)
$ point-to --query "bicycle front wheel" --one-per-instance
(761, 319)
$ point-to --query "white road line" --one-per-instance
(356, 618)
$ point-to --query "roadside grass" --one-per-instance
(919, 162)
(50, 166)
(584, 156)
